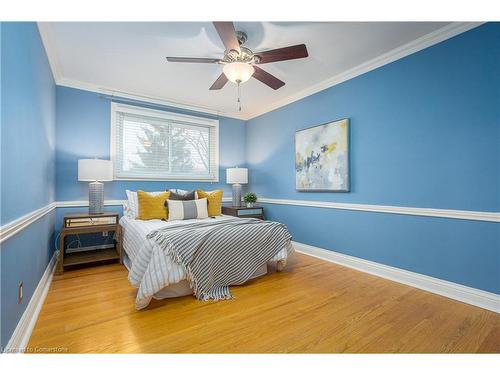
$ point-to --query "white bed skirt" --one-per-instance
(182, 288)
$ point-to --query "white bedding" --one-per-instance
(135, 242)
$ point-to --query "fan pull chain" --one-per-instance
(239, 96)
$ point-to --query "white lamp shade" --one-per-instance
(95, 170)
(238, 71)
(237, 176)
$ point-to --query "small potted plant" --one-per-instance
(250, 199)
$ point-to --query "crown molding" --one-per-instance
(416, 45)
(407, 49)
(46, 33)
(138, 97)
(400, 210)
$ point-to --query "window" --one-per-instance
(158, 145)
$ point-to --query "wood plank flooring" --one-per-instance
(311, 307)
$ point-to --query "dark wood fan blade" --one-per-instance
(267, 78)
(219, 82)
(227, 34)
(193, 60)
(281, 54)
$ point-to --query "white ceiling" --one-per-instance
(130, 57)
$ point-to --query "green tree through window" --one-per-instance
(172, 148)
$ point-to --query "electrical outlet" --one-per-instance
(105, 234)
(20, 293)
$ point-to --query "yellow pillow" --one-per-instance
(152, 206)
(214, 201)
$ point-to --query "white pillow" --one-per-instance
(126, 210)
(133, 202)
(183, 210)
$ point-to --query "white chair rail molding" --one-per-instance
(253, 187)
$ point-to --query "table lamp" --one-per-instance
(236, 176)
(95, 171)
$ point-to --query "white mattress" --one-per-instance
(134, 239)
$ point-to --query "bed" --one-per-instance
(143, 256)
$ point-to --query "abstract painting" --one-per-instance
(322, 157)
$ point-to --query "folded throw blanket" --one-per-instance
(222, 253)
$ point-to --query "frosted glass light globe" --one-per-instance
(238, 71)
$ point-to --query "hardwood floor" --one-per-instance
(312, 306)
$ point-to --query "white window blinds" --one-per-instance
(157, 145)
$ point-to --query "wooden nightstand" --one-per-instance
(76, 224)
(256, 212)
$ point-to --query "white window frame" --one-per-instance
(195, 120)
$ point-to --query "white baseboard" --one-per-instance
(472, 296)
(21, 336)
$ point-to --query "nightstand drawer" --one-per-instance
(249, 211)
(246, 212)
(87, 220)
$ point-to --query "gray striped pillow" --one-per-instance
(183, 210)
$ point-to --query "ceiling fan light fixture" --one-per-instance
(238, 71)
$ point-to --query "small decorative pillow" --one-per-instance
(214, 201)
(151, 206)
(183, 210)
(187, 196)
(133, 204)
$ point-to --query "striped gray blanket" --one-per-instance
(222, 253)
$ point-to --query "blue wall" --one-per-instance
(83, 131)
(28, 118)
(28, 110)
(425, 132)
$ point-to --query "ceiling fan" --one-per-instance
(240, 63)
